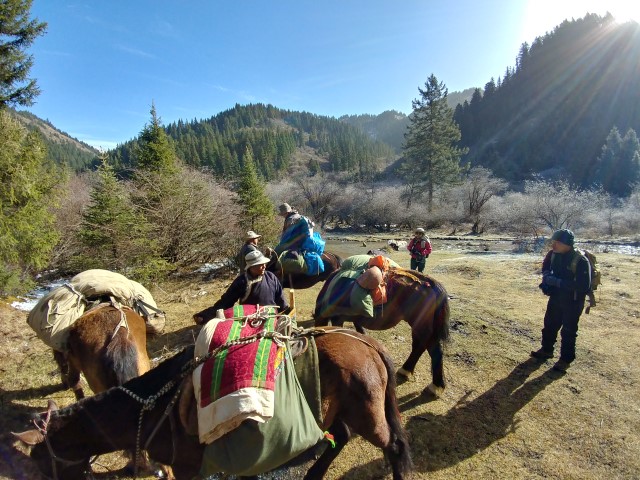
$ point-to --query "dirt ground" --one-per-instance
(502, 415)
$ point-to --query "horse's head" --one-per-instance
(49, 453)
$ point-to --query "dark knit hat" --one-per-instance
(563, 236)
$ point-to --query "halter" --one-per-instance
(42, 425)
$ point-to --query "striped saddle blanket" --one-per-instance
(238, 382)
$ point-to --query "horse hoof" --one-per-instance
(434, 390)
(407, 375)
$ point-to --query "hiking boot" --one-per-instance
(542, 354)
(561, 366)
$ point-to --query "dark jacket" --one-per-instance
(246, 248)
(574, 286)
(267, 291)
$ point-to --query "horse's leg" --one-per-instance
(418, 346)
(69, 374)
(341, 435)
(437, 371)
(322, 322)
(63, 366)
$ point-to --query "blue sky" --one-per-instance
(102, 63)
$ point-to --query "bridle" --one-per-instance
(149, 404)
(42, 425)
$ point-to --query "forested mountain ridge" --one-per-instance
(273, 138)
(61, 148)
(390, 126)
(569, 92)
(569, 110)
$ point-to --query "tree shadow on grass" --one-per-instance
(441, 441)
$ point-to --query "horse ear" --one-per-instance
(52, 406)
(30, 437)
(187, 408)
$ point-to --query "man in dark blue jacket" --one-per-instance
(254, 286)
(566, 278)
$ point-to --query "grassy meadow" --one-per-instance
(502, 414)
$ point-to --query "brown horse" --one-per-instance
(358, 397)
(419, 300)
(107, 345)
(331, 261)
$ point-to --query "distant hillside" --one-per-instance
(61, 148)
(278, 141)
(390, 126)
(553, 112)
(458, 98)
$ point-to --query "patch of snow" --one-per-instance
(30, 300)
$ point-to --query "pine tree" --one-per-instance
(257, 209)
(114, 234)
(154, 151)
(29, 185)
(618, 166)
(431, 151)
(17, 33)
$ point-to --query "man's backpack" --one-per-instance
(594, 273)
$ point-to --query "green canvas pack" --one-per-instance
(255, 448)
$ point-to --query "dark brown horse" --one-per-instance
(299, 281)
(157, 412)
(419, 300)
(107, 345)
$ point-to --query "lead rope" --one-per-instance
(150, 402)
(55, 458)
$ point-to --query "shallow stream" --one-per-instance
(348, 245)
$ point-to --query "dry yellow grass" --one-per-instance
(502, 414)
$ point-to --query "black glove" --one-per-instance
(552, 281)
(546, 289)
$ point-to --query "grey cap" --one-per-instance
(285, 208)
(255, 258)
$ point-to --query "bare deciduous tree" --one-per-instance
(321, 193)
(559, 205)
(68, 215)
(480, 187)
(194, 218)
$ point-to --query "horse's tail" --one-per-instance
(122, 356)
(442, 312)
(398, 452)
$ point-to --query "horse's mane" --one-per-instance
(399, 276)
(153, 380)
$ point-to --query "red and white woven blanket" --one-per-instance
(238, 382)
